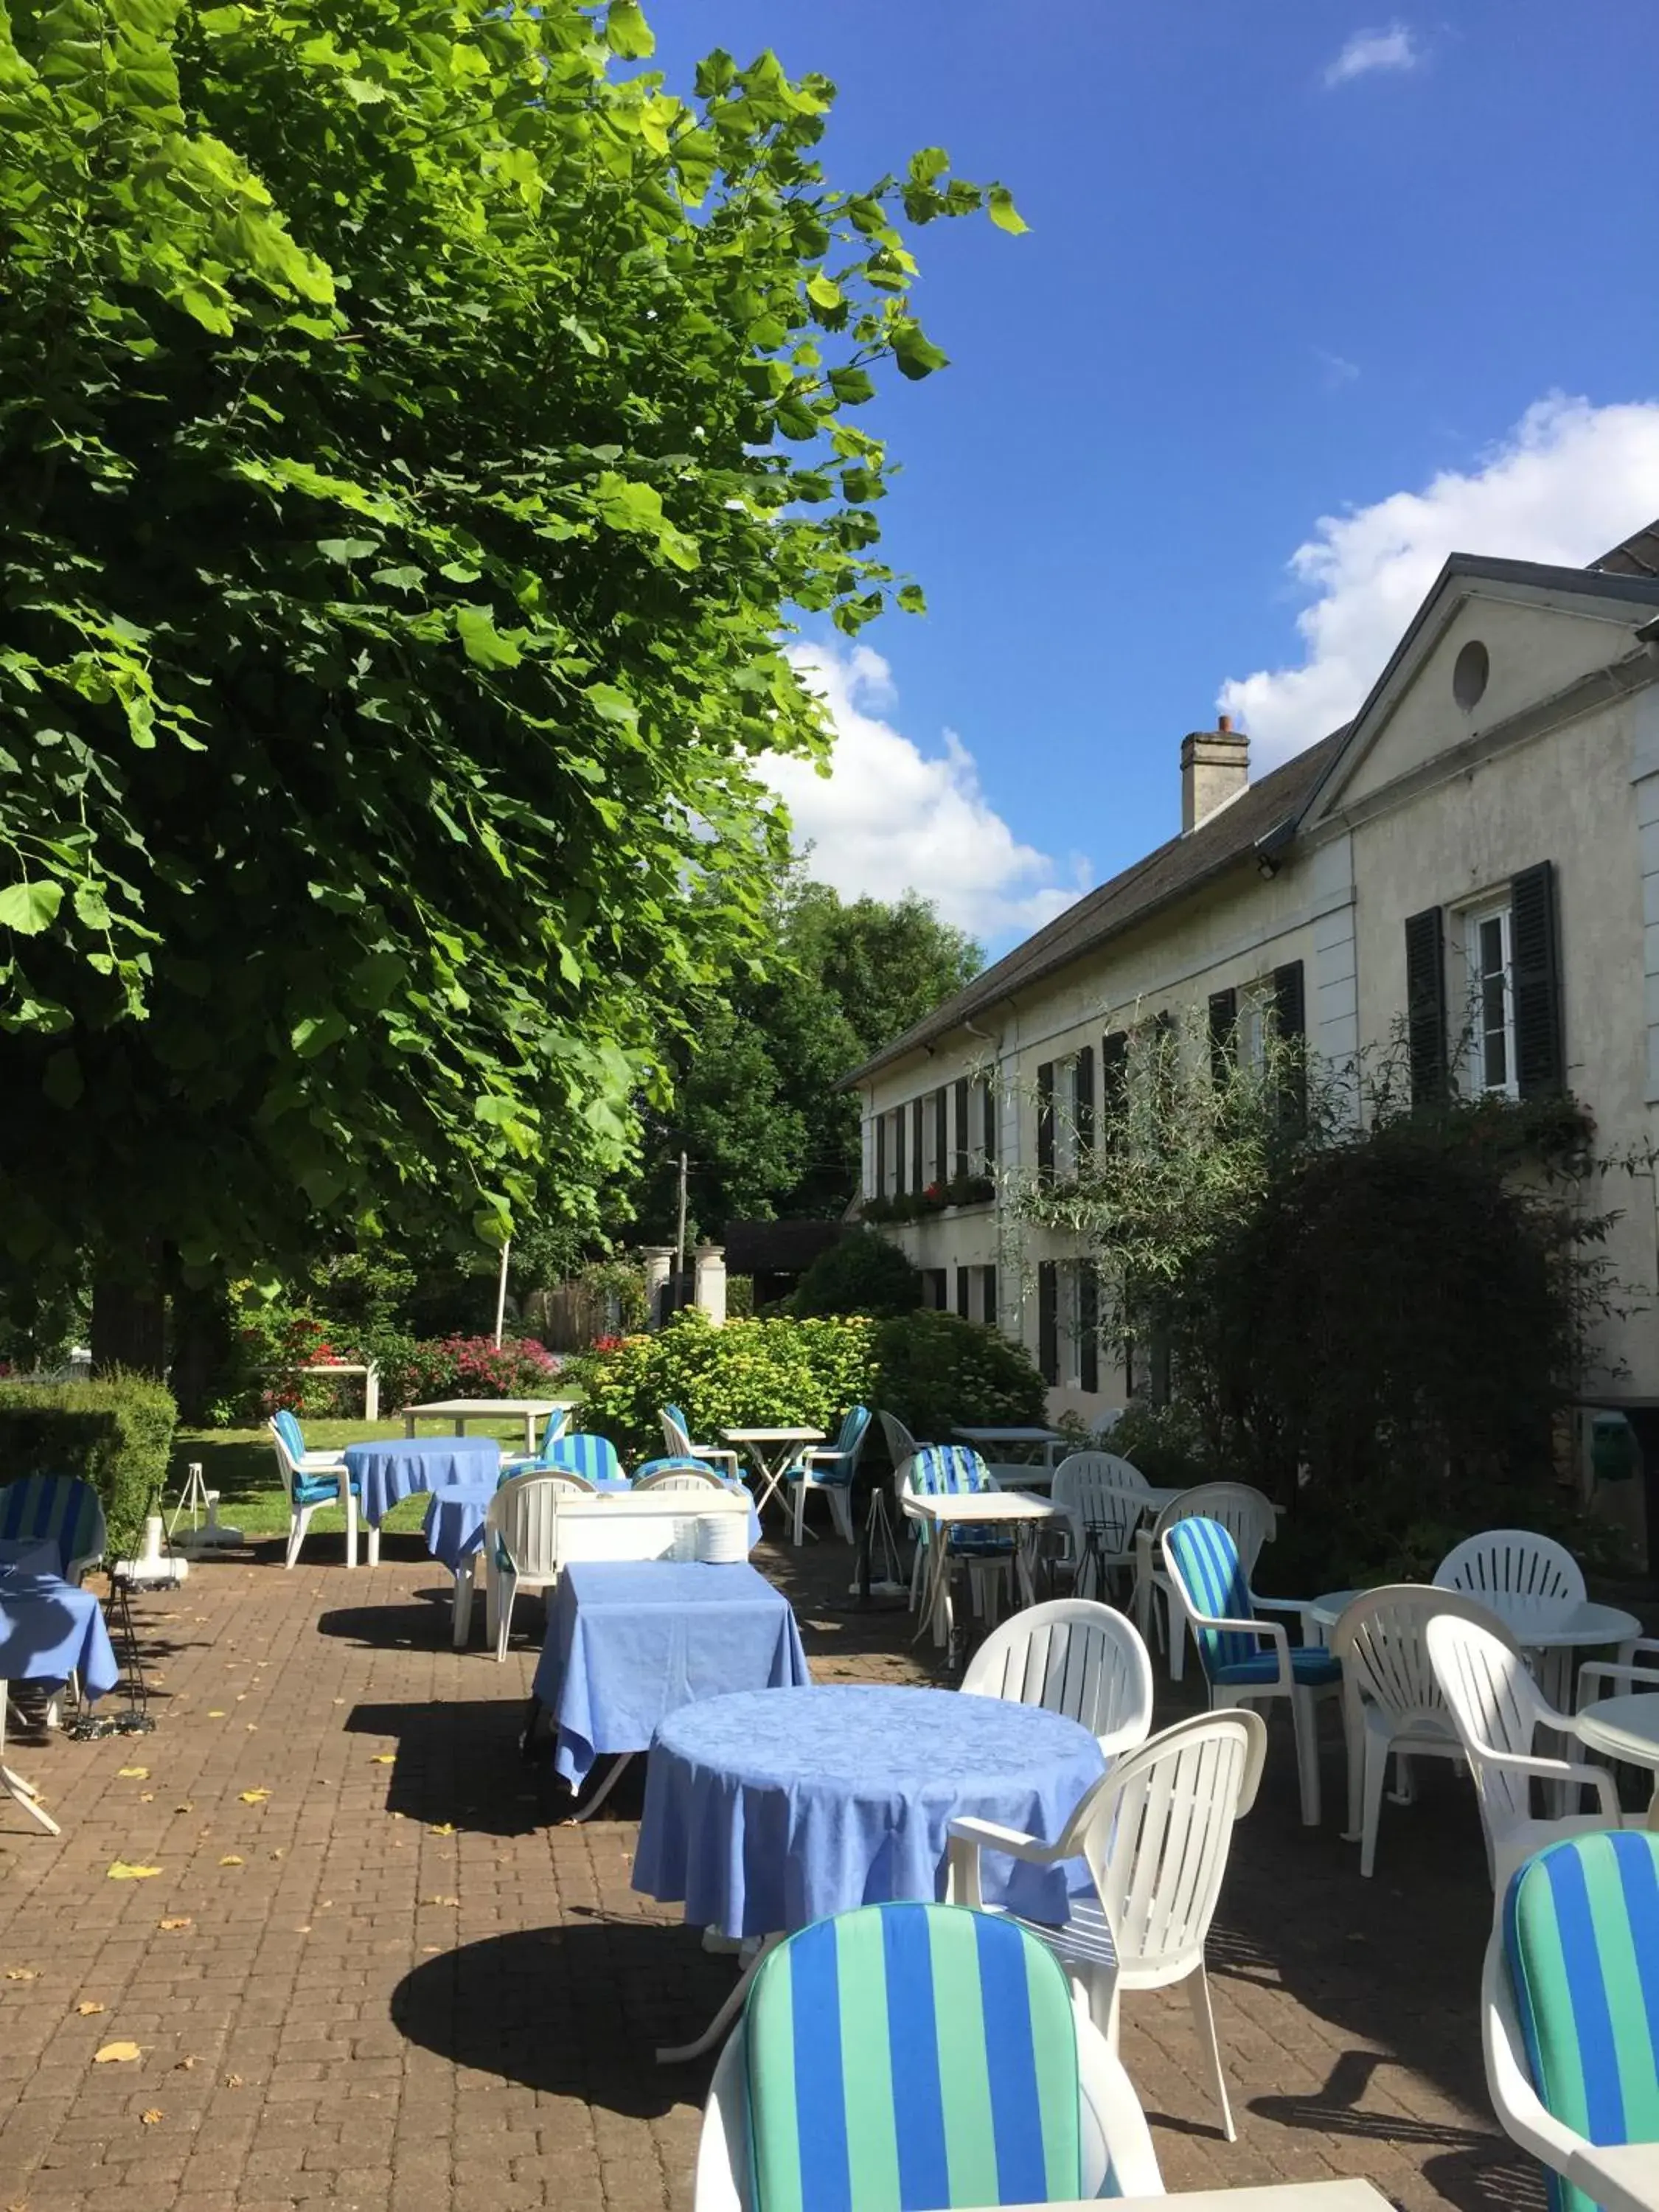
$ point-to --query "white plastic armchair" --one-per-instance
(1074, 1657)
(677, 1443)
(681, 1478)
(1116, 2142)
(521, 1545)
(1156, 1832)
(310, 1478)
(1391, 1702)
(1104, 1500)
(1513, 1562)
(1498, 1708)
(1245, 1512)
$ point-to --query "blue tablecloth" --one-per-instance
(629, 1642)
(384, 1472)
(49, 1630)
(774, 1808)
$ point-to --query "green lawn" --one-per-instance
(240, 1464)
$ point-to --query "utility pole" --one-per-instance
(500, 1296)
(679, 1237)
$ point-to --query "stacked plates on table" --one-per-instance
(723, 1538)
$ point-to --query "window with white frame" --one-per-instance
(1488, 954)
(1255, 1015)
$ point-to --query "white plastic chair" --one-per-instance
(1104, 1500)
(677, 1443)
(1513, 1562)
(1073, 1656)
(1156, 1832)
(1391, 1702)
(310, 1479)
(1248, 1515)
(1498, 1710)
(1116, 2142)
(522, 1546)
(681, 1478)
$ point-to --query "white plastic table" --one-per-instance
(463, 1410)
(773, 1451)
(972, 1509)
(1553, 1630)
(986, 1440)
(1627, 1727)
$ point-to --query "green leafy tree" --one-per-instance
(755, 1106)
(412, 432)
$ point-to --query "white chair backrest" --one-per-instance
(1245, 1513)
(567, 1479)
(1513, 1562)
(681, 1478)
(1074, 1657)
(1100, 1493)
(1495, 1705)
(285, 1463)
(676, 1442)
(901, 1444)
(1156, 1832)
(1380, 1638)
(525, 1514)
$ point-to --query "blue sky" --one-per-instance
(1287, 262)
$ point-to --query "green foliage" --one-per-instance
(740, 1298)
(864, 1273)
(413, 432)
(748, 1374)
(1166, 1442)
(115, 1433)
(755, 1106)
(935, 1370)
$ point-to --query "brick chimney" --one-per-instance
(1215, 767)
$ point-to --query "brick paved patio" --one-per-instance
(399, 1983)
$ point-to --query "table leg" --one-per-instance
(618, 1765)
(530, 1436)
(374, 1543)
(463, 1603)
(14, 1784)
(409, 1424)
(676, 2054)
(348, 1502)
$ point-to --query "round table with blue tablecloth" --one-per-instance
(49, 1630)
(768, 1809)
(383, 1472)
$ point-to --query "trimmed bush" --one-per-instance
(476, 1367)
(865, 1274)
(749, 1375)
(935, 1370)
(116, 1434)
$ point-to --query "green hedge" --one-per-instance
(930, 1369)
(116, 1434)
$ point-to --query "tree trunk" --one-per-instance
(129, 1326)
(201, 1348)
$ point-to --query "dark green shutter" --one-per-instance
(990, 1297)
(900, 1148)
(1540, 1062)
(942, 1137)
(959, 1164)
(1426, 1005)
(1048, 1320)
(990, 1122)
(1114, 1086)
(962, 1291)
(1045, 1122)
(1088, 1325)
(915, 1144)
(1224, 1035)
(1083, 1104)
(881, 1156)
(1290, 1033)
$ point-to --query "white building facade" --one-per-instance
(1472, 864)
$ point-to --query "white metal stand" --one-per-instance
(677, 2054)
(196, 1498)
(878, 1555)
(13, 1782)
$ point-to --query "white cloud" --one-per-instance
(1569, 483)
(1337, 368)
(1396, 48)
(890, 818)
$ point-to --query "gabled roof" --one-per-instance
(1173, 872)
(1638, 555)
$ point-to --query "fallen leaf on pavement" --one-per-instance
(233, 2080)
(181, 1920)
(185, 2065)
(146, 1796)
(440, 1900)
(22, 1973)
(123, 1870)
(87, 2006)
(230, 1859)
(185, 1808)
(384, 1758)
(215, 1712)
(153, 2117)
(133, 1773)
(112, 2054)
(253, 1797)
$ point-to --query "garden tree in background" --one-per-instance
(865, 1274)
(1374, 1323)
(755, 1105)
(412, 432)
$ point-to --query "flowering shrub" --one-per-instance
(476, 1367)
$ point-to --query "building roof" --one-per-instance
(1185, 864)
(1172, 872)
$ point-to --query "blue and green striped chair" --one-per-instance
(595, 1458)
(913, 2058)
(557, 1422)
(60, 1509)
(1210, 1586)
(1570, 2006)
(832, 1469)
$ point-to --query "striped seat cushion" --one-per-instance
(1580, 1933)
(953, 1471)
(593, 1457)
(910, 2058)
(1206, 1559)
(1312, 1666)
